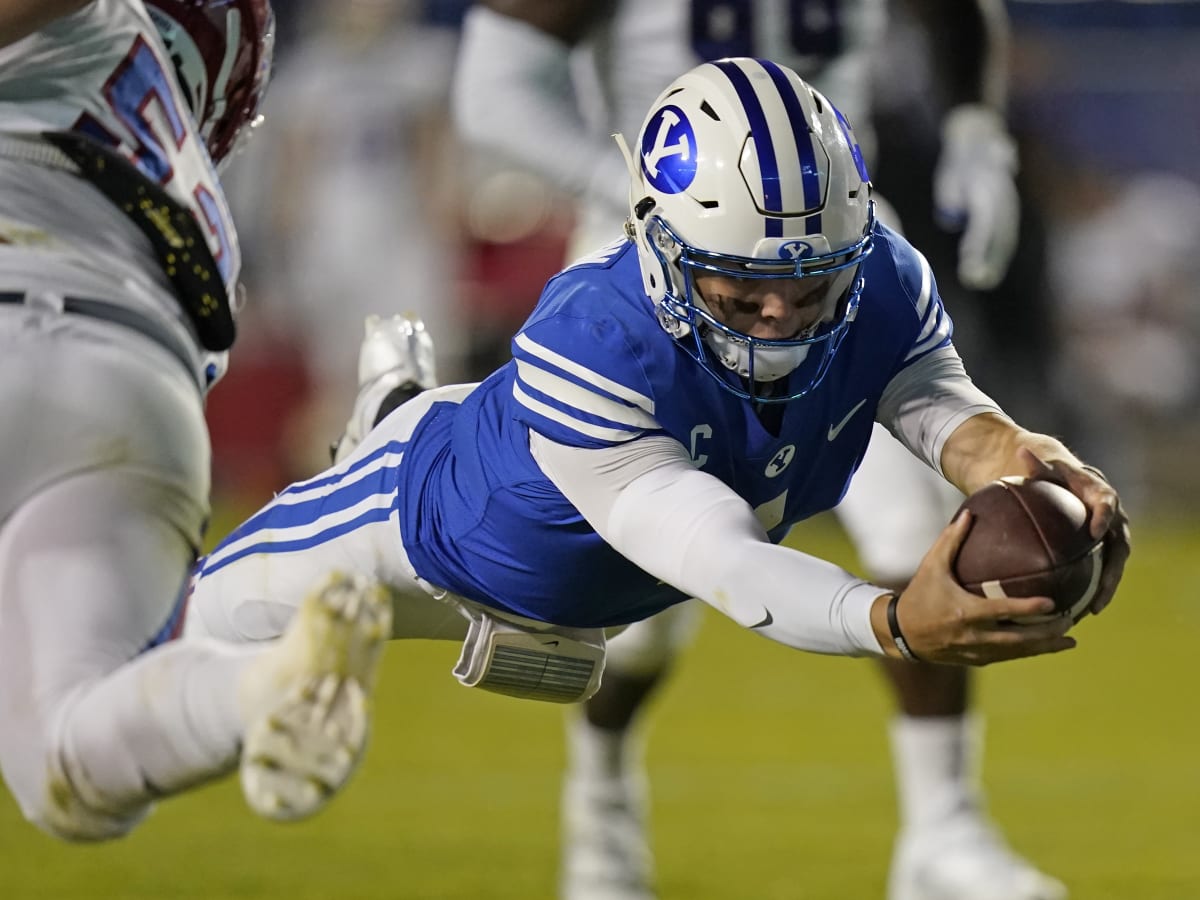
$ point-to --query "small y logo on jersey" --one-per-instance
(669, 151)
(781, 461)
(795, 250)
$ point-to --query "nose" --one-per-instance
(780, 316)
(775, 306)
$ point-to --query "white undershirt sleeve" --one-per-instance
(923, 404)
(513, 93)
(691, 531)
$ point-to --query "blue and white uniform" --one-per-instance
(554, 108)
(528, 494)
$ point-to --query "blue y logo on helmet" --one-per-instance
(669, 151)
(795, 250)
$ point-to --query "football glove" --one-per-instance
(974, 192)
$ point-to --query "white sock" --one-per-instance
(159, 724)
(601, 753)
(937, 762)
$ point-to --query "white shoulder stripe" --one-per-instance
(574, 395)
(533, 348)
(923, 298)
(930, 316)
(599, 432)
(925, 344)
(932, 323)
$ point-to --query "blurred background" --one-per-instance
(769, 767)
(356, 196)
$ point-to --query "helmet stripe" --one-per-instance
(809, 173)
(767, 164)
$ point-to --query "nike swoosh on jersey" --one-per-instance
(767, 619)
(835, 430)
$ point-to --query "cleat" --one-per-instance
(606, 855)
(316, 683)
(965, 859)
(395, 362)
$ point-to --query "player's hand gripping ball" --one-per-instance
(1029, 538)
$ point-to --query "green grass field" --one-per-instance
(770, 773)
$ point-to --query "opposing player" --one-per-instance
(676, 402)
(547, 83)
(118, 262)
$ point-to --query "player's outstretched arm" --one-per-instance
(21, 18)
(691, 531)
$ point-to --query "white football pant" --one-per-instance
(245, 595)
(103, 497)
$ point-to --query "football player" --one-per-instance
(676, 402)
(546, 83)
(118, 269)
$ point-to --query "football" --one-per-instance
(1030, 539)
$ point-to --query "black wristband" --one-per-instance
(897, 634)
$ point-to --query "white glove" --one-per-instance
(974, 191)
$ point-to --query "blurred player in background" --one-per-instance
(547, 83)
(118, 270)
(343, 198)
(677, 401)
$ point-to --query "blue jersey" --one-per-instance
(592, 368)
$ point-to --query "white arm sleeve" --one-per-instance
(923, 404)
(691, 531)
(513, 94)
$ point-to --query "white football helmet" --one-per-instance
(743, 169)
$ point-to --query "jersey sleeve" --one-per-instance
(933, 328)
(923, 405)
(579, 380)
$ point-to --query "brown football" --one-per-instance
(1030, 539)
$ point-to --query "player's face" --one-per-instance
(773, 309)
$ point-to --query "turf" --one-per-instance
(770, 773)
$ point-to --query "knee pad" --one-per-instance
(647, 647)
